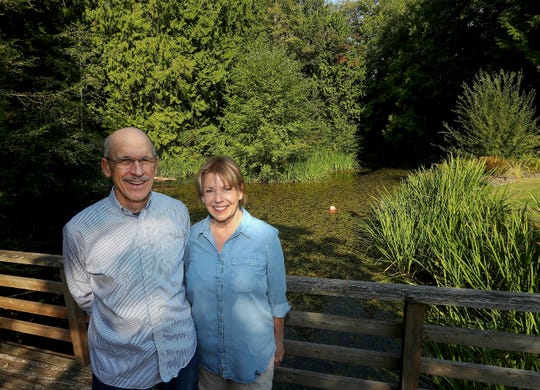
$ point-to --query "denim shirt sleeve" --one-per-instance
(277, 287)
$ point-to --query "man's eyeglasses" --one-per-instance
(127, 163)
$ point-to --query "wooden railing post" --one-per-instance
(411, 350)
(77, 326)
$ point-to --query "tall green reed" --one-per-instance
(177, 168)
(446, 226)
(319, 164)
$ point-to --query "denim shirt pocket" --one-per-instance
(248, 274)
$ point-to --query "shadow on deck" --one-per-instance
(34, 369)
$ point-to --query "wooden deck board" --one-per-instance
(34, 369)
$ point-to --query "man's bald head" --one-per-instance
(123, 136)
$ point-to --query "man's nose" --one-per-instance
(137, 168)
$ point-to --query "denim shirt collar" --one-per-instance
(244, 228)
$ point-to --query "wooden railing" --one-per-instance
(410, 329)
(413, 332)
(25, 303)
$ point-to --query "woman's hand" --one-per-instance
(278, 357)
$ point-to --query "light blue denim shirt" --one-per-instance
(127, 272)
(235, 296)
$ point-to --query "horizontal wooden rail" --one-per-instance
(426, 295)
(28, 327)
(326, 381)
(23, 283)
(344, 324)
(488, 374)
(42, 309)
(483, 338)
(74, 334)
(412, 328)
(336, 353)
(406, 335)
(29, 258)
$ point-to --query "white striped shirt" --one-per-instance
(127, 272)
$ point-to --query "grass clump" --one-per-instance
(511, 167)
(447, 226)
(320, 164)
(177, 168)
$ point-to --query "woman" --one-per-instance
(235, 276)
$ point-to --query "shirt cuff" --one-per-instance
(280, 310)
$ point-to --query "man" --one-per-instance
(123, 258)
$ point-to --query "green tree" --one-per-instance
(521, 20)
(270, 120)
(162, 67)
(419, 53)
(47, 154)
(495, 118)
(320, 38)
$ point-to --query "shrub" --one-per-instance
(494, 118)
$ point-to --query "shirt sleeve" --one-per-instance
(77, 278)
(277, 284)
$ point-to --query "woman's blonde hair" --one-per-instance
(226, 169)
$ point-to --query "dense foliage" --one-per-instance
(283, 85)
(186, 71)
(270, 117)
(494, 117)
(162, 66)
(419, 52)
(47, 150)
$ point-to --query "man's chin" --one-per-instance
(134, 199)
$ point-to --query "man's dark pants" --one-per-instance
(187, 379)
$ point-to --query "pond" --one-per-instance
(315, 242)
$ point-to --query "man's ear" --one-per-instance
(105, 167)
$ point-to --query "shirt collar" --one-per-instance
(244, 227)
(116, 204)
